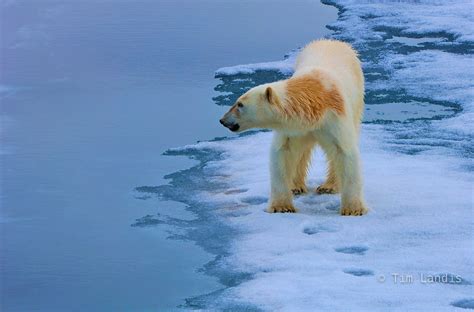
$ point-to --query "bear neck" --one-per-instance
(305, 100)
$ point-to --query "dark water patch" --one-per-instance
(369, 16)
(412, 41)
(380, 96)
(456, 48)
(143, 197)
(391, 31)
(375, 74)
(409, 150)
(464, 303)
(219, 267)
(340, 8)
(227, 277)
(399, 95)
(210, 302)
(310, 230)
(359, 272)
(354, 250)
(254, 200)
(146, 221)
(320, 228)
(153, 220)
(233, 86)
(235, 191)
(147, 189)
(409, 42)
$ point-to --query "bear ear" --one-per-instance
(270, 96)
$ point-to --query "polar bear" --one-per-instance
(322, 103)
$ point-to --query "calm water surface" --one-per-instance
(92, 92)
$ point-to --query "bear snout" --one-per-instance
(231, 126)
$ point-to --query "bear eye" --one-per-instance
(240, 105)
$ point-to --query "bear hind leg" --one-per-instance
(301, 151)
(302, 165)
(330, 186)
(347, 165)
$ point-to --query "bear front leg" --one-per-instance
(281, 174)
(347, 166)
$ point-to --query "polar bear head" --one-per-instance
(257, 108)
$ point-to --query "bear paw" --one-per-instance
(282, 208)
(325, 189)
(355, 208)
(299, 190)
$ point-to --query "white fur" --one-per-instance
(337, 133)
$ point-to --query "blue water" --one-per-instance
(92, 93)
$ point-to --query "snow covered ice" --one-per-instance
(419, 224)
(414, 250)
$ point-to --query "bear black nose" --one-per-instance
(221, 121)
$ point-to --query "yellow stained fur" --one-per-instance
(308, 98)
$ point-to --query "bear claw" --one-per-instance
(358, 210)
(282, 209)
(299, 191)
(325, 190)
